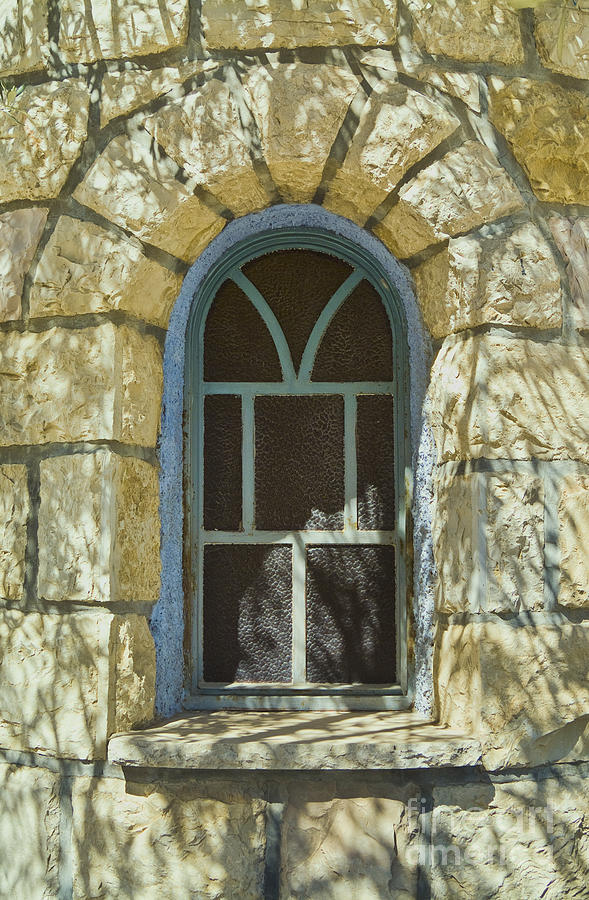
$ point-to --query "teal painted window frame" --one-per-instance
(202, 696)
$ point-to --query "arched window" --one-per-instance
(296, 440)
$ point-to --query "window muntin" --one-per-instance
(299, 446)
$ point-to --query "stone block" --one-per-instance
(43, 134)
(98, 529)
(548, 130)
(104, 29)
(522, 690)
(87, 384)
(347, 849)
(206, 134)
(463, 190)
(14, 512)
(155, 841)
(508, 397)
(20, 233)
(397, 128)
(123, 92)
(488, 535)
(59, 680)
(29, 833)
(24, 39)
(299, 110)
(463, 85)
(507, 277)
(469, 30)
(134, 188)
(272, 24)
(86, 269)
(572, 239)
(573, 516)
(511, 841)
(562, 37)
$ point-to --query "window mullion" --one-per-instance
(350, 463)
(299, 617)
(247, 461)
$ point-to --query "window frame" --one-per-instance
(252, 695)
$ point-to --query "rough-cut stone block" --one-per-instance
(105, 29)
(347, 849)
(123, 92)
(129, 185)
(573, 514)
(20, 232)
(250, 24)
(572, 239)
(396, 129)
(512, 841)
(463, 85)
(134, 674)
(206, 134)
(29, 833)
(506, 277)
(507, 397)
(98, 529)
(299, 110)
(548, 129)
(42, 136)
(562, 37)
(469, 30)
(489, 542)
(86, 269)
(522, 690)
(85, 384)
(460, 192)
(157, 840)
(24, 37)
(59, 680)
(14, 511)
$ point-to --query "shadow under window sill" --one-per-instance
(292, 740)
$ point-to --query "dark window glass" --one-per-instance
(296, 285)
(247, 613)
(350, 614)
(376, 462)
(357, 344)
(237, 343)
(222, 463)
(299, 463)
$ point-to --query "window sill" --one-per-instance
(289, 740)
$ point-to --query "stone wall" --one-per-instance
(457, 133)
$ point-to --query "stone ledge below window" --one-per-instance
(329, 741)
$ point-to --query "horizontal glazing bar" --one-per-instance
(298, 387)
(350, 536)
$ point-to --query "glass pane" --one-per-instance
(222, 463)
(299, 446)
(351, 614)
(357, 345)
(296, 285)
(376, 462)
(237, 344)
(247, 613)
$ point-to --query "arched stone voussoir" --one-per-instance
(397, 128)
(87, 269)
(465, 189)
(210, 134)
(134, 186)
(299, 110)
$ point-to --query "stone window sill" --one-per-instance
(329, 741)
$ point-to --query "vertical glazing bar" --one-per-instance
(299, 618)
(247, 461)
(350, 463)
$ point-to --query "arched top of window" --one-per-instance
(296, 432)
